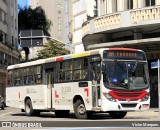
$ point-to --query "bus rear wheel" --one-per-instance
(80, 110)
(28, 108)
(61, 113)
(117, 114)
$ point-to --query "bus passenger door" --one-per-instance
(50, 79)
(96, 76)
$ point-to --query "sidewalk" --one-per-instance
(152, 113)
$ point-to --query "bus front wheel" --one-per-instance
(28, 108)
(80, 110)
(117, 114)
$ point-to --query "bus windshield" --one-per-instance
(126, 75)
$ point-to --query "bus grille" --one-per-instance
(129, 105)
(128, 96)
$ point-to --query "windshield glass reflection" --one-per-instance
(125, 75)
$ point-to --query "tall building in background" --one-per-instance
(55, 12)
(8, 38)
(82, 11)
(69, 25)
(79, 17)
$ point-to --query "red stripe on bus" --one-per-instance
(56, 94)
(87, 91)
(59, 58)
(127, 49)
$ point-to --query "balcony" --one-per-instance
(122, 26)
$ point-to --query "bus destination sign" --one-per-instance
(124, 55)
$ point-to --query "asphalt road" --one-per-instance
(141, 119)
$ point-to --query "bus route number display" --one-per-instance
(124, 55)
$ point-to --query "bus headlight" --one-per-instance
(109, 97)
(145, 98)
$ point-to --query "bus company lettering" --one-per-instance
(65, 90)
(30, 90)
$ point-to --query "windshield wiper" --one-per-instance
(124, 85)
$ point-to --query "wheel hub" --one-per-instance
(81, 109)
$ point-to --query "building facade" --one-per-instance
(83, 10)
(79, 16)
(55, 12)
(8, 38)
(127, 23)
(31, 42)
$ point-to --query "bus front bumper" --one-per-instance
(124, 105)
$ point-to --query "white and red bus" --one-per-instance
(111, 80)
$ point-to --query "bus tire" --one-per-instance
(80, 110)
(28, 108)
(37, 112)
(117, 114)
(61, 113)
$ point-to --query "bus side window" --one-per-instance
(39, 75)
(80, 71)
(65, 71)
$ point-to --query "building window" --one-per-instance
(129, 4)
(59, 26)
(114, 6)
(5, 37)
(59, 8)
(15, 24)
(59, 18)
(59, 11)
(2, 16)
(1, 36)
(149, 3)
(1, 57)
(59, 32)
(12, 42)
(12, 21)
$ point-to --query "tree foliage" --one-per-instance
(52, 48)
(29, 18)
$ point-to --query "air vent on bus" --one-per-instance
(129, 105)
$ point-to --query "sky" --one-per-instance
(23, 3)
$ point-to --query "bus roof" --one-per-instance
(64, 57)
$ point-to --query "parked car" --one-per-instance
(2, 102)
